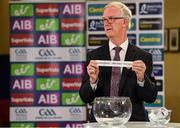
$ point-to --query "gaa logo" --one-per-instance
(20, 111)
(46, 52)
(155, 51)
(47, 112)
(74, 51)
(74, 110)
(20, 52)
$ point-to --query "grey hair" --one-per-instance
(126, 12)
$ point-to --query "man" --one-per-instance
(136, 82)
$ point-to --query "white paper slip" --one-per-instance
(109, 63)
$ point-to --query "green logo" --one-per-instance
(47, 24)
(95, 9)
(22, 10)
(50, 84)
(133, 25)
(22, 69)
(72, 39)
(157, 103)
(152, 39)
(71, 99)
(22, 125)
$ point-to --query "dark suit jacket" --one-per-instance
(128, 83)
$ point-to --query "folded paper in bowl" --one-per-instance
(159, 116)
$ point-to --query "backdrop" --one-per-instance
(48, 45)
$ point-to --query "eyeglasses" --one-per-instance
(111, 19)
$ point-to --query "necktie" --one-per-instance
(115, 75)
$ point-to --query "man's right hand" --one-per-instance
(93, 71)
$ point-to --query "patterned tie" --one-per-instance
(116, 74)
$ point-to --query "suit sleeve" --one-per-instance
(148, 93)
(86, 92)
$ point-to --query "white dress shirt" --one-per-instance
(122, 54)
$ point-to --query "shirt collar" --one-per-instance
(124, 45)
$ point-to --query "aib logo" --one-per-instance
(22, 25)
(51, 39)
(73, 69)
(73, 9)
(73, 125)
(23, 84)
(46, 52)
(48, 99)
(47, 112)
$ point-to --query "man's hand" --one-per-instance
(93, 71)
(139, 67)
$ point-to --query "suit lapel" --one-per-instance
(129, 57)
(105, 55)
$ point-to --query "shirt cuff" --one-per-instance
(140, 83)
(94, 86)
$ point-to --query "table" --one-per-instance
(133, 125)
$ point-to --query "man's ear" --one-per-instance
(126, 23)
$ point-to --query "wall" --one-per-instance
(4, 27)
(4, 64)
(172, 62)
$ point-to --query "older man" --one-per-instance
(137, 83)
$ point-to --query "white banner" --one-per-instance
(48, 114)
(25, 54)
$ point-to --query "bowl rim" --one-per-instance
(150, 109)
(112, 97)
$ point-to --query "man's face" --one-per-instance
(112, 26)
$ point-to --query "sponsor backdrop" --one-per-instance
(146, 32)
(47, 54)
(48, 49)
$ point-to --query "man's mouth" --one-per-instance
(108, 29)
